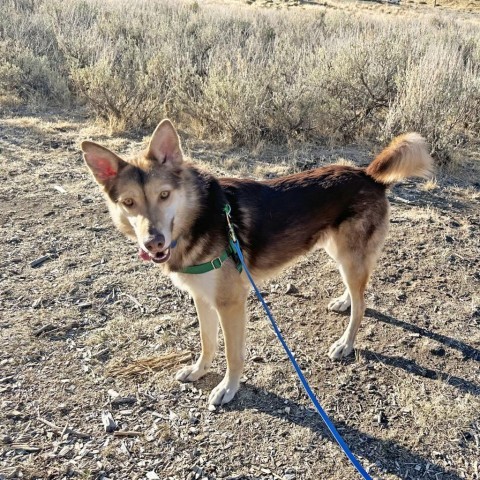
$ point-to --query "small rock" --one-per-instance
(258, 359)
(113, 393)
(152, 476)
(381, 418)
(291, 289)
(108, 422)
(212, 408)
(401, 296)
(6, 439)
(198, 471)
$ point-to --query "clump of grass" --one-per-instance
(249, 76)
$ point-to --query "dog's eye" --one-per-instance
(128, 202)
(164, 195)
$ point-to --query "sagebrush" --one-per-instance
(246, 75)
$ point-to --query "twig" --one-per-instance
(62, 431)
(127, 433)
(40, 260)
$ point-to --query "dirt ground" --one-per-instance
(76, 301)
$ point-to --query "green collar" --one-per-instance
(214, 264)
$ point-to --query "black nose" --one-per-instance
(155, 243)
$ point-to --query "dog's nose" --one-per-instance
(155, 243)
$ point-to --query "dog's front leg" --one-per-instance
(233, 319)
(208, 319)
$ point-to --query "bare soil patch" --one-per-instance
(407, 402)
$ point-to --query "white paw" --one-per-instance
(340, 304)
(223, 392)
(191, 373)
(340, 348)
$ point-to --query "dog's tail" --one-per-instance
(406, 156)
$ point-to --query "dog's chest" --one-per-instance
(203, 285)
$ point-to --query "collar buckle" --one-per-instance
(217, 265)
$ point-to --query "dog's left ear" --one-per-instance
(164, 145)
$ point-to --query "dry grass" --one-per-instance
(248, 75)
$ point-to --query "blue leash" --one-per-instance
(301, 376)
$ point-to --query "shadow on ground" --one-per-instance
(468, 351)
(401, 461)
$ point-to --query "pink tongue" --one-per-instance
(143, 255)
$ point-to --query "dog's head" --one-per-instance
(143, 194)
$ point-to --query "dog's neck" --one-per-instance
(200, 230)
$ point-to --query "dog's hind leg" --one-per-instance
(233, 319)
(208, 319)
(355, 253)
(355, 275)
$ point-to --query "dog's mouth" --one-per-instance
(157, 257)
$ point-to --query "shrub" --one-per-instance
(248, 75)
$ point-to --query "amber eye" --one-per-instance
(164, 195)
(128, 202)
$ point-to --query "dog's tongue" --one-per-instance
(143, 255)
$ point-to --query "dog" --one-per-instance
(175, 212)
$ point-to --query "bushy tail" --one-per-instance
(407, 156)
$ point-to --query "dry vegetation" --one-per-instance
(249, 75)
(78, 310)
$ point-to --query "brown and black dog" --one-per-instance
(175, 213)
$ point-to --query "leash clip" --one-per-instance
(228, 209)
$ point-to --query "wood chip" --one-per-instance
(63, 431)
(25, 447)
(43, 329)
(116, 402)
(40, 260)
(60, 189)
(127, 433)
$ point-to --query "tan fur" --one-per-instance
(276, 222)
(407, 156)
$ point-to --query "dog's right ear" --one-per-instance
(103, 163)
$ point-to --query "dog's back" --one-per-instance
(280, 219)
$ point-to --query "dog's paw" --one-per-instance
(191, 373)
(223, 392)
(340, 304)
(339, 349)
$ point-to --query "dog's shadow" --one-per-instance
(467, 351)
(361, 443)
